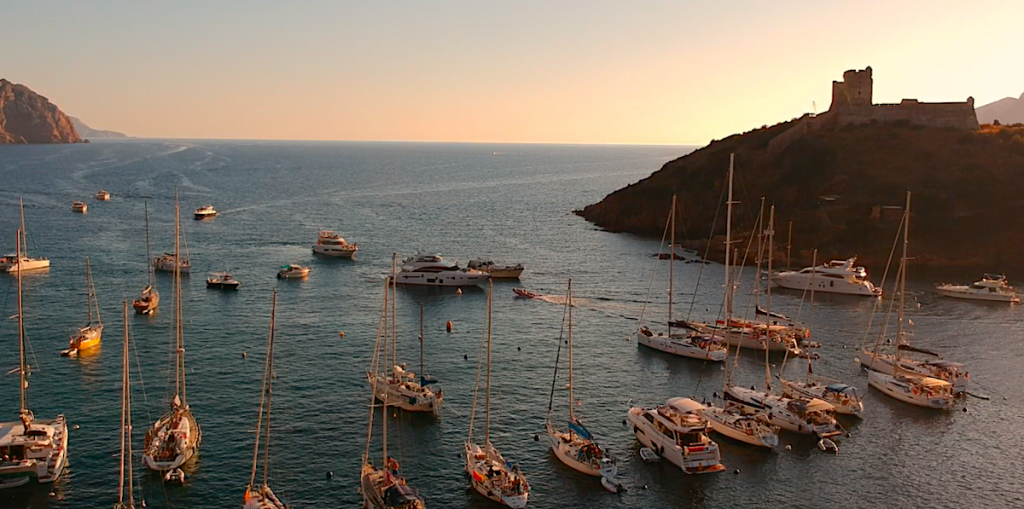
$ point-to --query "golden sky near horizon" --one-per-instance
(550, 72)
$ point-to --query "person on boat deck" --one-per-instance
(645, 331)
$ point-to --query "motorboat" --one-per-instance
(845, 398)
(730, 420)
(165, 263)
(103, 195)
(21, 260)
(496, 271)
(90, 335)
(34, 450)
(836, 276)
(678, 432)
(523, 292)
(914, 389)
(329, 243)
(205, 212)
(433, 270)
(490, 474)
(223, 281)
(807, 416)
(292, 271)
(79, 207)
(992, 287)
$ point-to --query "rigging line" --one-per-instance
(707, 250)
(654, 272)
(558, 354)
(374, 366)
(476, 386)
(885, 276)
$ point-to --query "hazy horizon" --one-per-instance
(653, 73)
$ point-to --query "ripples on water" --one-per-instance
(464, 202)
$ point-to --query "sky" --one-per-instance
(632, 72)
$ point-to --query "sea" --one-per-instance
(509, 203)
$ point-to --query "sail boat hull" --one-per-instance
(681, 347)
(569, 448)
(86, 338)
(25, 264)
(886, 364)
(263, 498)
(742, 428)
(408, 396)
(844, 405)
(490, 476)
(908, 393)
(172, 441)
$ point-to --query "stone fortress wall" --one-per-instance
(852, 104)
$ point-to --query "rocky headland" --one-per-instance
(27, 117)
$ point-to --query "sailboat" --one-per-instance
(262, 497)
(490, 474)
(730, 419)
(174, 262)
(149, 298)
(22, 261)
(383, 487)
(35, 450)
(845, 398)
(400, 386)
(126, 427)
(576, 446)
(694, 344)
(175, 437)
(901, 383)
(89, 335)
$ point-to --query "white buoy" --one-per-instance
(458, 292)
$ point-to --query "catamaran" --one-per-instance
(89, 335)
(149, 298)
(400, 387)
(907, 381)
(383, 487)
(33, 450)
(575, 446)
(694, 343)
(126, 427)
(174, 438)
(490, 474)
(262, 497)
(17, 262)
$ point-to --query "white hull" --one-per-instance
(262, 499)
(847, 406)
(825, 285)
(968, 295)
(906, 393)
(568, 452)
(700, 462)
(408, 400)
(27, 264)
(748, 342)
(443, 278)
(884, 363)
(482, 469)
(780, 414)
(161, 458)
(45, 457)
(724, 423)
(682, 347)
(335, 251)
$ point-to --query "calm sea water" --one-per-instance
(511, 203)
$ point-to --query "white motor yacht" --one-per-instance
(103, 195)
(836, 276)
(992, 287)
(329, 243)
(678, 431)
(204, 212)
(807, 416)
(79, 207)
(292, 271)
(433, 270)
(496, 271)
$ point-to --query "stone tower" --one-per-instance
(854, 91)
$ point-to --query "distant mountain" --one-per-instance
(88, 132)
(27, 117)
(1006, 111)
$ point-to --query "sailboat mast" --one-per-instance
(22, 236)
(572, 402)
(903, 276)
(810, 320)
(124, 404)
(270, 389)
(149, 248)
(768, 318)
(384, 398)
(179, 347)
(128, 411)
(789, 246)
(394, 313)
(88, 289)
(21, 341)
(487, 398)
(263, 396)
(728, 246)
(422, 372)
(671, 280)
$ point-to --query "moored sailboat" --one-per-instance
(490, 474)
(35, 451)
(174, 438)
(21, 260)
(90, 335)
(262, 497)
(149, 298)
(575, 446)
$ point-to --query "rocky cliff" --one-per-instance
(844, 190)
(89, 133)
(27, 117)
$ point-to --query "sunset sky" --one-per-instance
(496, 71)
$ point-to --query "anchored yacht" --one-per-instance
(329, 243)
(992, 287)
(807, 416)
(496, 271)
(678, 432)
(204, 212)
(433, 270)
(836, 276)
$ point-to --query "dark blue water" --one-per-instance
(463, 201)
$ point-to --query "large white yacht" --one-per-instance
(836, 276)
(992, 287)
(329, 243)
(678, 432)
(433, 270)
